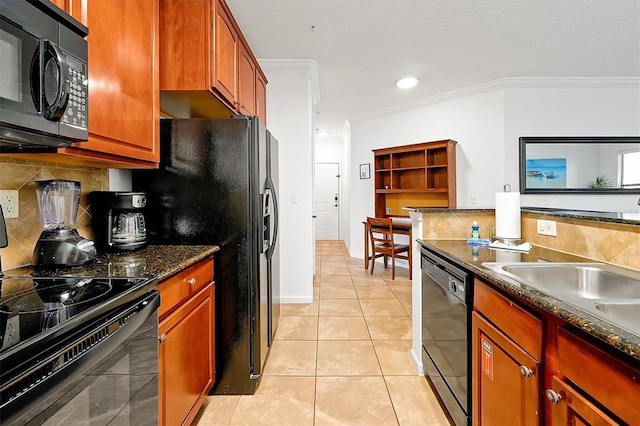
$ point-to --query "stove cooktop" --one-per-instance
(34, 311)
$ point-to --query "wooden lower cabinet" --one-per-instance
(186, 346)
(506, 379)
(569, 407)
(530, 368)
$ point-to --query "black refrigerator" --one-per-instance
(218, 184)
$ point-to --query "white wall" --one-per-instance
(475, 121)
(487, 121)
(289, 118)
(346, 184)
(571, 107)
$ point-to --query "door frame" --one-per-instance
(339, 164)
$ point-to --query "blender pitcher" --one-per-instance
(59, 244)
(58, 202)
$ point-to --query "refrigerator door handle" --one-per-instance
(274, 212)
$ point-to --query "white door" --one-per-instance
(327, 201)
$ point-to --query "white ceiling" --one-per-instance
(363, 46)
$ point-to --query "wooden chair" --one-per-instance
(383, 245)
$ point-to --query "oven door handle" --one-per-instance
(20, 407)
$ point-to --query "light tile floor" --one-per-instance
(341, 360)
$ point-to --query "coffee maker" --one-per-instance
(118, 220)
(59, 244)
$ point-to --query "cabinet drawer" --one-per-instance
(512, 319)
(183, 285)
(611, 382)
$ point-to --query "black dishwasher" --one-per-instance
(447, 300)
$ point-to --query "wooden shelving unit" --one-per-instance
(418, 175)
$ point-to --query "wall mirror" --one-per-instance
(584, 165)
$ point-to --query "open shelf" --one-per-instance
(419, 175)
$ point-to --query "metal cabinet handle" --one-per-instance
(526, 372)
(553, 396)
(162, 338)
(192, 281)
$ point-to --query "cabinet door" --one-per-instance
(261, 97)
(506, 379)
(124, 109)
(186, 358)
(226, 40)
(568, 407)
(246, 82)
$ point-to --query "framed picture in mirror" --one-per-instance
(584, 165)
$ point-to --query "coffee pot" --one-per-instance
(118, 220)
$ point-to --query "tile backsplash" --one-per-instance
(23, 232)
(601, 241)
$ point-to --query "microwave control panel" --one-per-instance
(75, 114)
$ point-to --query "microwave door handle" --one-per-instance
(53, 111)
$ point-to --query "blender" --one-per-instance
(59, 244)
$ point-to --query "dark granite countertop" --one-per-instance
(611, 217)
(446, 210)
(160, 261)
(470, 259)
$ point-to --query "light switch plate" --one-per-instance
(547, 227)
(9, 203)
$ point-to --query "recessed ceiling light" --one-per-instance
(407, 82)
(322, 133)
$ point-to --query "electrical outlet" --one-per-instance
(388, 210)
(9, 203)
(547, 227)
(474, 199)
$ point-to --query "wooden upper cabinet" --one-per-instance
(186, 43)
(246, 81)
(124, 101)
(206, 66)
(225, 70)
(261, 96)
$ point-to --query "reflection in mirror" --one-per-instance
(579, 165)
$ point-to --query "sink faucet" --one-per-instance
(3, 237)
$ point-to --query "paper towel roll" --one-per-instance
(506, 256)
(508, 215)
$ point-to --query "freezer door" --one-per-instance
(274, 247)
(262, 325)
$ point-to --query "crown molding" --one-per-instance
(507, 83)
(296, 65)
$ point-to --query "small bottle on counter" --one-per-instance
(475, 230)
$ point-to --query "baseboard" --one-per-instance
(296, 299)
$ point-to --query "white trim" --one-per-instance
(296, 299)
(306, 65)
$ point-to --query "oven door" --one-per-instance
(112, 380)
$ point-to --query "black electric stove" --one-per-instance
(46, 324)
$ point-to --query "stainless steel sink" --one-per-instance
(579, 280)
(608, 292)
(626, 312)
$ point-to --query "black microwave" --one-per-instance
(44, 95)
